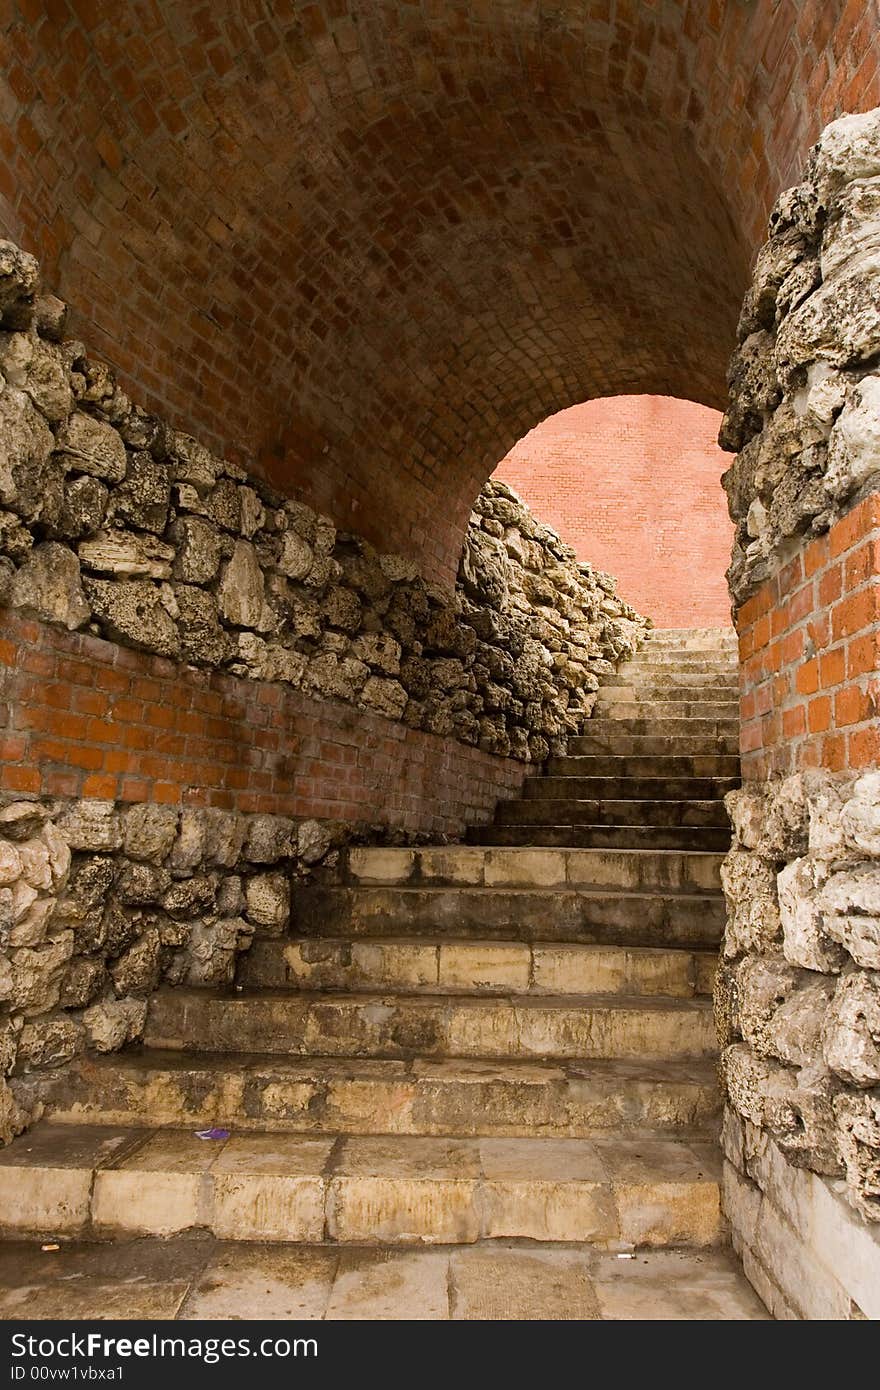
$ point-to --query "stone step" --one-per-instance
(70, 1180)
(713, 765)
(649, 690)
(666, 677)
(683, 638)
(386, 1025)
(623, 837)
(424, 966)
(622, 788)
(611, 737)
(472, 866)
(638, 811)
(455, 1096)
(684, 911)
(712, 659)
(657, 711)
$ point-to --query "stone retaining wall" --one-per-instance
(112, 523)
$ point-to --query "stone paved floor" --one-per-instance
(196, 1276)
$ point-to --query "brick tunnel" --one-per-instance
(323, 266)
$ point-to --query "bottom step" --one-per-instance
(66, 1180)
(197, 1277)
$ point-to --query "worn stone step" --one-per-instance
(623, 837)
(678, 906)
(725, 659)
(405, 965)
(622, 788)
(637, 811)
(68, 1180)
(678, 725)
(571, 1098)
(670, 677)
(712, 765)
(677, 692)
(474, 866)
(387, 1025)
(658, 711)
(685, 638)
(610, 737)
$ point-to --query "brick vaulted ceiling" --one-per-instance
(365, 245)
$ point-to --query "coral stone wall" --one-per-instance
(633, 483)
(367, 246)
(798, 993)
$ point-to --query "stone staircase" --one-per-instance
(506, 1040)
(662, 750)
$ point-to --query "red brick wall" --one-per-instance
(83, 717)
(632, 482)
(810, 655)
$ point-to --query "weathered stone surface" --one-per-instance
(268, 902)
(127, 555)
(860, 816)
(143, 499)
(49, 1042)
(134, 614)
(136, 971)
(92, 825)
(313, 841)
(805, 941)
(25, 444)
(112, 1023)
(242, 597)
(854, 442)
(92, 446)
(753, 922)
(858, 1140)
(852, 1029)
(19, 282)
(199, 550)
(39, 370)
(849, 904)
(49, 585)
(149, 831)
(83, 508)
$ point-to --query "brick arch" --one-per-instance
(365, 246)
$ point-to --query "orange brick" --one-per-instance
(851, 706)
(864, 747)
(100, 785)
(832, 668)
(856, 612)
(863, 654)
(834, 752)
(831, 585)
(816, 555)
(863, 563)
(794, 721)
(819, 714)
(20, 779)
(807, 677)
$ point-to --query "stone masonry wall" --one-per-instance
(114, 524)
(798, 992)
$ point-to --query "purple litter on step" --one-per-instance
(213, 1133)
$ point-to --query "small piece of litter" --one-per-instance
(50, 1247)
(212, 1133)
(626, 1257)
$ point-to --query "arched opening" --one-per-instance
(633, 484)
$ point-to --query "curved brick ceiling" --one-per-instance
(366, 245)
